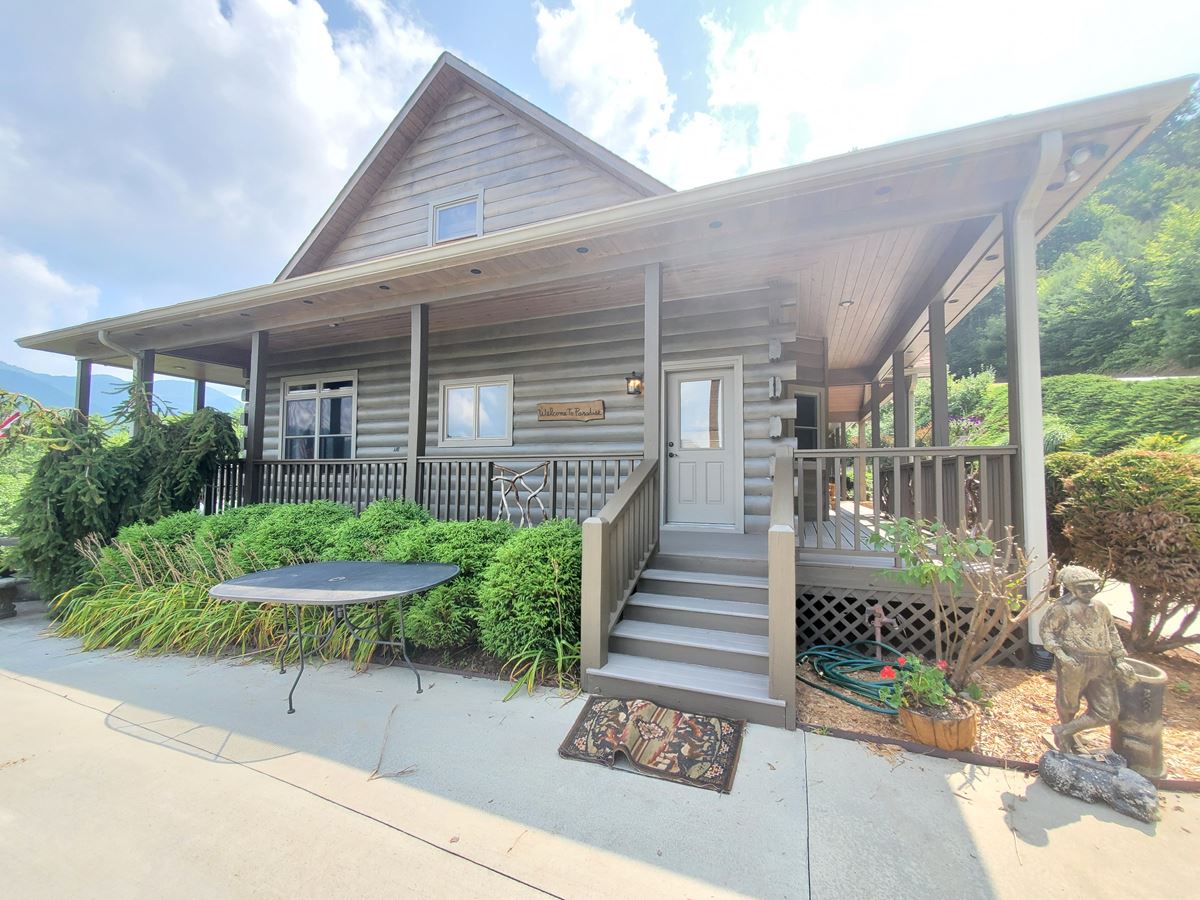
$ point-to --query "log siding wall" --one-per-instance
(562, 358)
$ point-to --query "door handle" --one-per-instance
(672, 454)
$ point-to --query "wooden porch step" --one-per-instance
(717, 585)
(693, 688)
(698, 612)
(700, 646)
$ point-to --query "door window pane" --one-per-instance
(701, 414)
(301, 417)
(460, 412)
(493, 410)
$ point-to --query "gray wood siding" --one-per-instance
(563, 358)
(472, 144)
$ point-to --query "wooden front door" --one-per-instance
(700, 451)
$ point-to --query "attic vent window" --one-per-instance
(457, 219)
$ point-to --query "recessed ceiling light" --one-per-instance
(952, 300)
(715, 224)
(244, 315)
(992, 257)
(307, 302)
(581, 249)
(1081, 154)
(187, 324)
(179, 368)
(477, 271)
(333, 324)
(845, 303)
(385, 287)
(881, 191)
(1054, 186)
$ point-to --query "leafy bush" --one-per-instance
(1135, 515)
(1059, 467)
(1057, 435)
(445, 616)
(221, 530)
(290, 533)
(1161, 443)
(368, 536)
(529, 596)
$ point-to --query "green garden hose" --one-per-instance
(835, 665)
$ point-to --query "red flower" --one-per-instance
(887, 672)
(902, 660)
(943, 665)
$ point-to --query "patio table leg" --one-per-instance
(287, 640)
(404, 645)
(300, 646)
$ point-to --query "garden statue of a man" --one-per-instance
(1088, 656)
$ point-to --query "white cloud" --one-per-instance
(822, 77)
(169, 150)
(34, 298)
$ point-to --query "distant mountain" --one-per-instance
(107, 391)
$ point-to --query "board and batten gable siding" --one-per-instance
(563, 358)
(472, 145)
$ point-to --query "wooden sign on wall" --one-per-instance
(583, 411)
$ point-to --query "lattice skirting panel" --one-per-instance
(843, 615)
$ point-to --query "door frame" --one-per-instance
(738, 437)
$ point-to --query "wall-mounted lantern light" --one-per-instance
(633, 383)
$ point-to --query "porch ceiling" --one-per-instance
(888, 228)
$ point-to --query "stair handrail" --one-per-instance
(617, 544)
(781, 587)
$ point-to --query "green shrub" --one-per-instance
(1161, 443)
(170, 533)
(1135, 515)
(222, 529)
(1059, 468)
(290, 533)
(368, 536)
(529, 596)
(445, 616)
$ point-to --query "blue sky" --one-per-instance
(153, 152)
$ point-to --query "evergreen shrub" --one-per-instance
(291, 533)
(368, 536)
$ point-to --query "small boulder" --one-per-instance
(1100, 777)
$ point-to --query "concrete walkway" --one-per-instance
(174, 777)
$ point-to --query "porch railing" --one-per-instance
(617, 544)
(526, 488)
(549, 487)
(842, 496)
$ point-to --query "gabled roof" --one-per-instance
(448, 75)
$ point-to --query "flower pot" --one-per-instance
(943, 733)
(1137, 735)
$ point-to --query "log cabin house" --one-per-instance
(496, 307)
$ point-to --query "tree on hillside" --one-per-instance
(1120, 276)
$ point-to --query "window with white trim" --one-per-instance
(318, 416)
(455, 219)
(476, 413)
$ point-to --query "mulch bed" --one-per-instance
(1021, 710)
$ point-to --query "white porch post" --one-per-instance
(652, 364)
(418, 399)
(938, 393)
(876, 432)
(1025, 367)
(901, 403)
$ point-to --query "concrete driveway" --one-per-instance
(175, 777)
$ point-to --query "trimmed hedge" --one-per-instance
(445, 617)
(368, 536)
(290, 533)
(529, 595)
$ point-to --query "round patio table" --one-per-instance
(335, 586)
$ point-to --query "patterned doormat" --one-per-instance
(657, 741)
